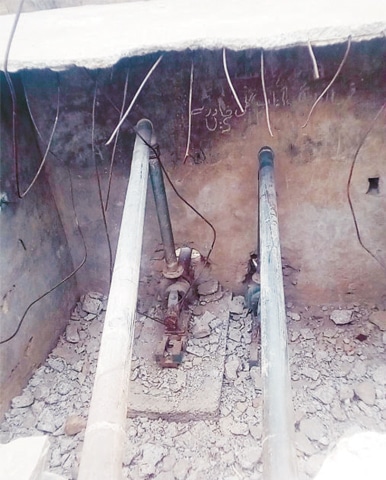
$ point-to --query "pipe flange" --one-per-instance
(175, 273)
(182, 286)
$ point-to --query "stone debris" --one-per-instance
(237, 305)
(325, 394)
(72, 334)
(92, 303)
(23, 401)
(311, 373)
(232, 366)
(313, 428)
(47, 422)
(379, 375)
(340, 387)
(379, 319)
(202, 326)
(208, 288)
(341, 317)
(74, 424)
(365, 391)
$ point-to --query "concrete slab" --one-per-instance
(191, 391)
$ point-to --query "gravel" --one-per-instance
(339, 387)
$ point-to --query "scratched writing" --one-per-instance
(219, 117)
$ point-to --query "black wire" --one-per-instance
(99, 183)
(361, 143)
(155, 319)
(62, 281)
(13, 97)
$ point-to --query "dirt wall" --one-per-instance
(320, 245)
(322, 254)
(34, 257)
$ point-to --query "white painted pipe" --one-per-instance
(102, 454)
(279, 456)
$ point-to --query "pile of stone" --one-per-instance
(338, 371)
(56, 400)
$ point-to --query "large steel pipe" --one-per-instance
(104, 440)
(172, 269)
(279, 457)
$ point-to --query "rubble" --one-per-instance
(336, 391)
(379, 319)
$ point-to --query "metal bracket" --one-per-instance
(170, 350)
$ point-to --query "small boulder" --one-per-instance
(341, 317)
(74, 424)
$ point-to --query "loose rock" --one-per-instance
(310, 373)
(231, 368)
(303, 444)
(365, 391)
(341, 317)
(209, 287)
(91, 303)
(74, 424)
(46, 422)
(379, 319)
(201, 327)
(152, 454)
(249, 457)
(237, 305)
(313, 428)
(325, 394)
(379, 375)
(72, 334)
(23, 401)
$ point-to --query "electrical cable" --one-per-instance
(265, 93)
(361, 143)
(156, 152)
(151, 318)
(331, 82)
(133, 100)
(23, 194)
(99, 182)
(62, 281)
(115, 143)
(314, 62)
(13, 97)
(224, 60)
(189, 113)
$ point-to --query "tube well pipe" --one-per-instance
(279, 458)
(161, 203)
(102, 454)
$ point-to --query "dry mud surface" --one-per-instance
(338, 380)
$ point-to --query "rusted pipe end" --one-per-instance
(266, 157)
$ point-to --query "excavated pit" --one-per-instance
(202, 420)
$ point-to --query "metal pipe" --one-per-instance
(279, 456)
(172, 269)
(102, 454)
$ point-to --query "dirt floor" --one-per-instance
(338, 379)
